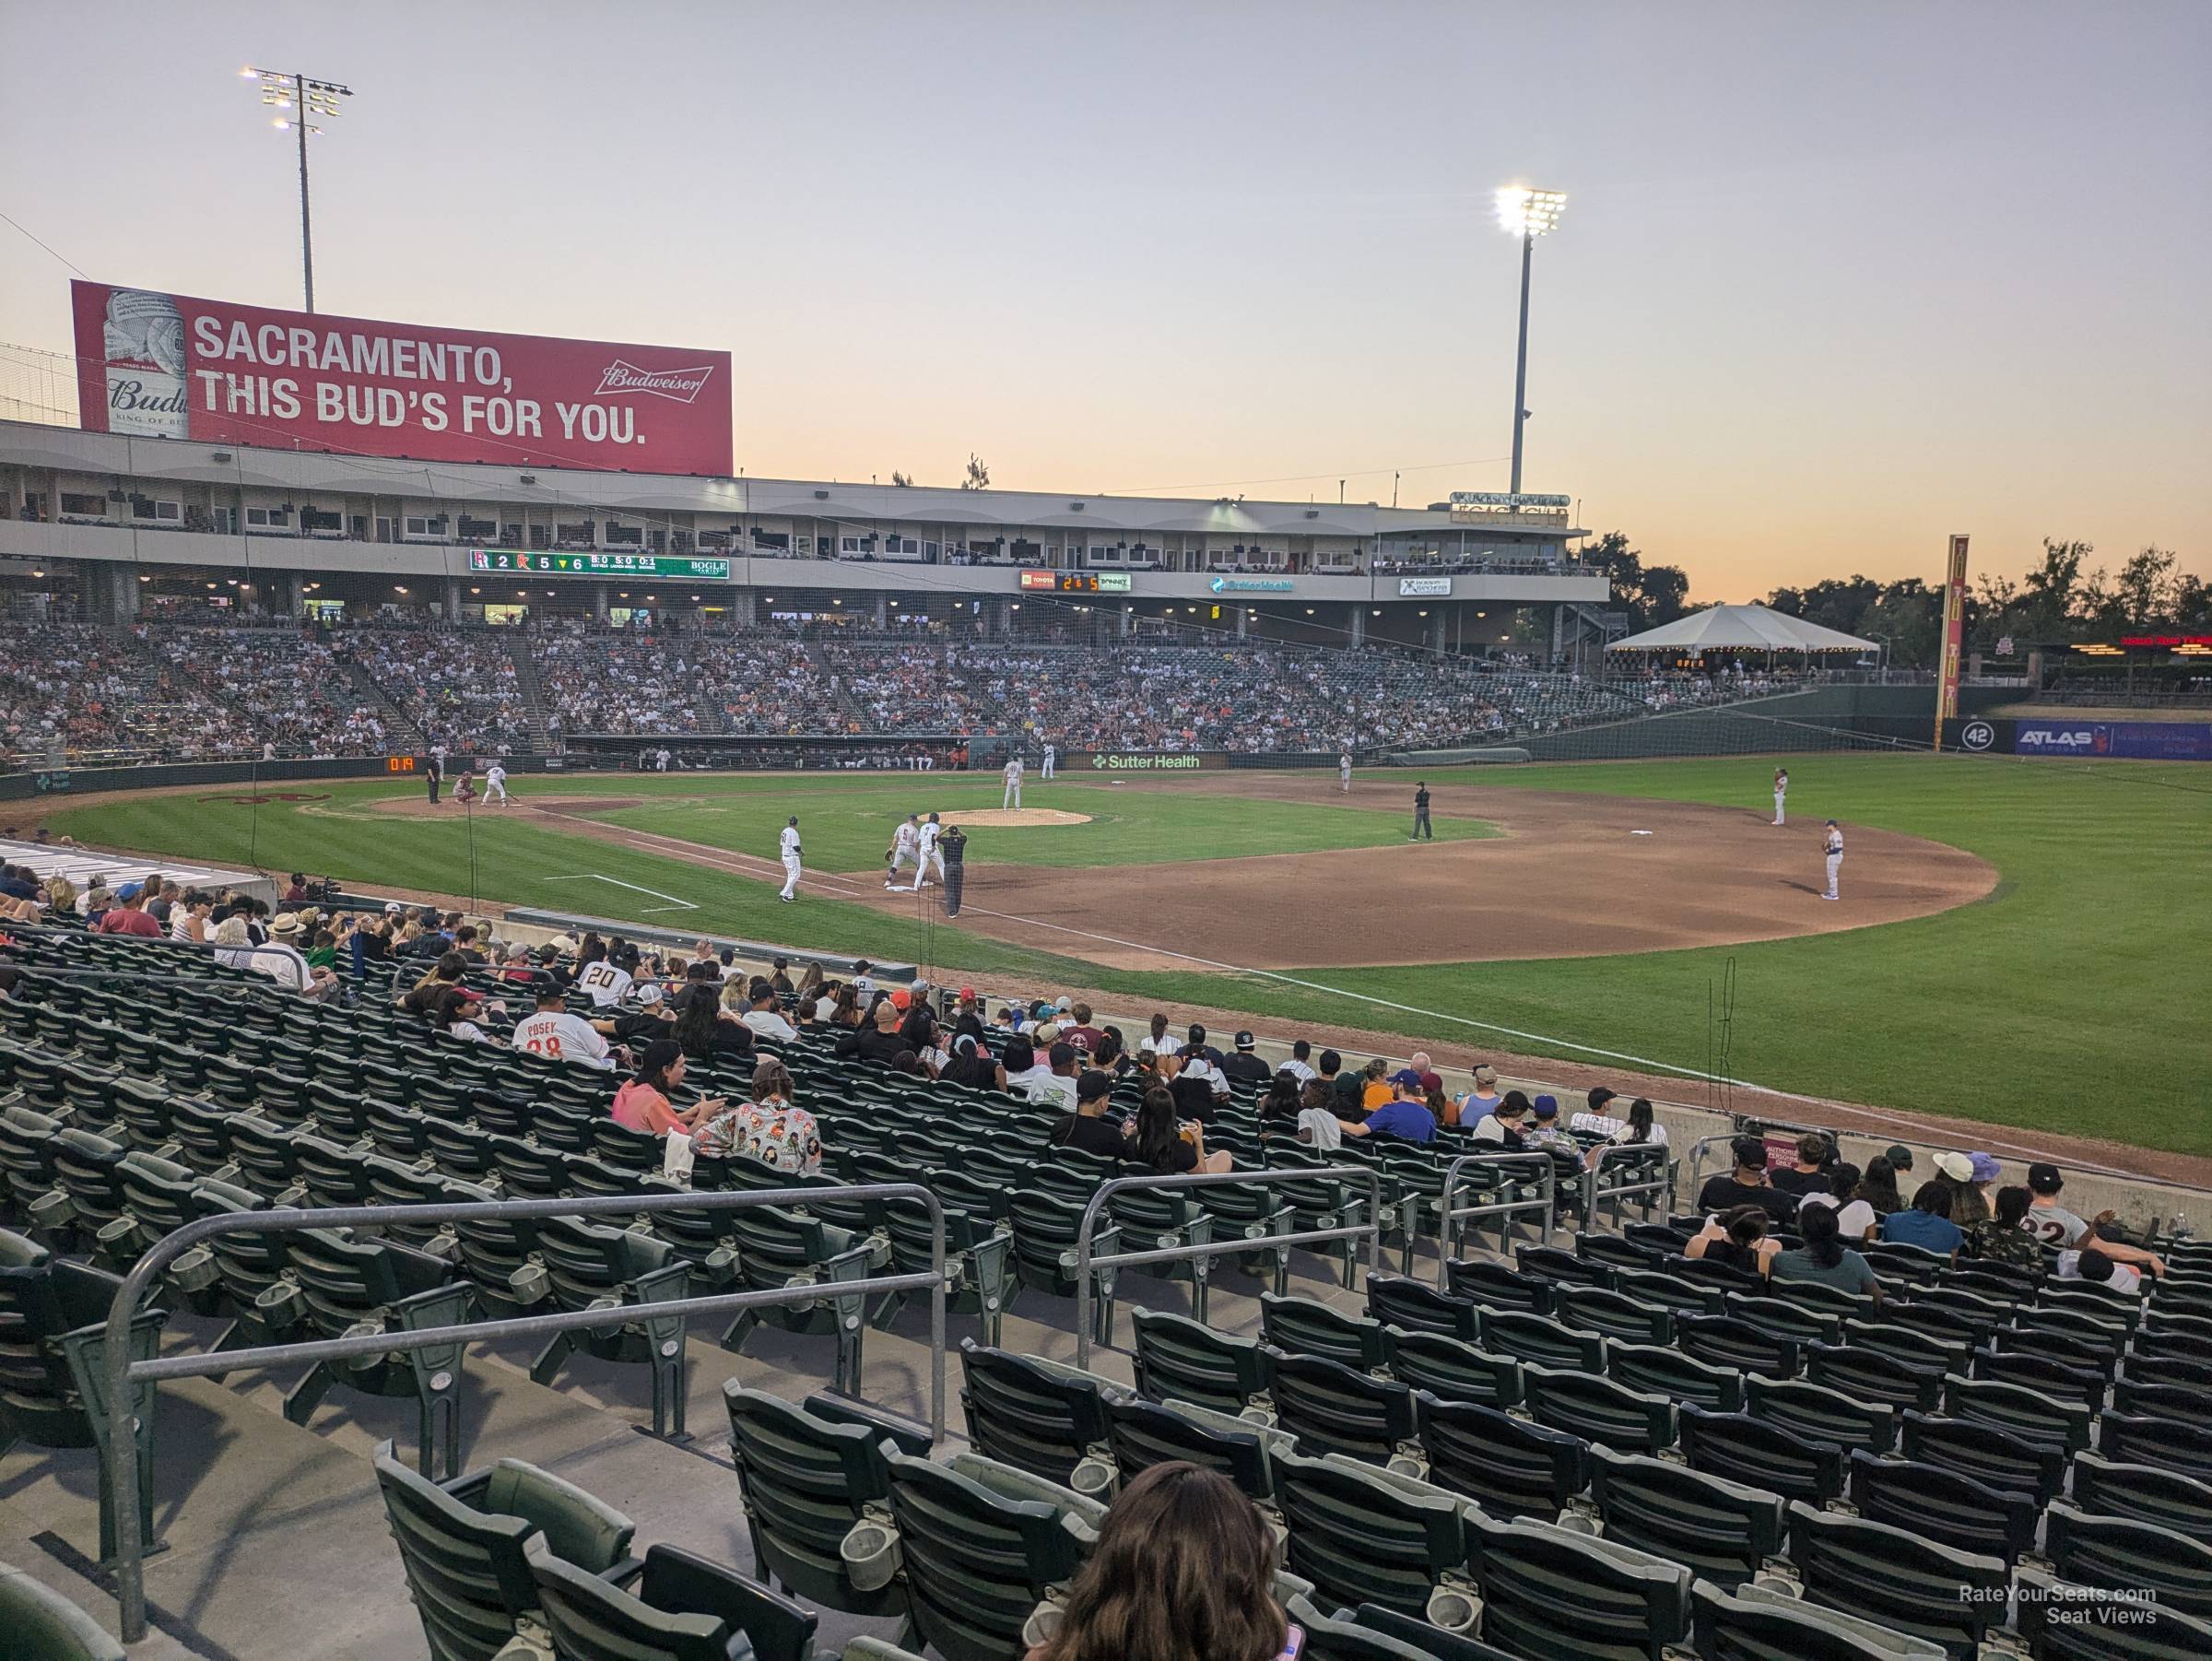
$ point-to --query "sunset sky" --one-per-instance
(1834, 280)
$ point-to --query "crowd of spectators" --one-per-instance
(459, 686)
(188, 690)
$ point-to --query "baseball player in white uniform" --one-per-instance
(495, 784)
(905, 841)
(1343, 772)
(1052, 756)
(929, 854)
(1831, 845)
(789, 843)
(1782, 788)
(1011, 796)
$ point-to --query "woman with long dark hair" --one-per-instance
(1168, 1148)
(1824, 1257)
(704, 1033)
(1737, 1238)
(1878, 1187)
(1280, 1107)
(647, 1102)
(1183, 1570)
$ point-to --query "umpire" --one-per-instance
(953, 845)
(1420, 813)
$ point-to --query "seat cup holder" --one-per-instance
(1093, 1477)
(870, 1554)
(1453, 1610)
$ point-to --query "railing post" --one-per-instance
(121, 1453)
(1448, 1217)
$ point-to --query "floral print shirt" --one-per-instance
(775, 1134)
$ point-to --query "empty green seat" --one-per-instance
(464, 1545)
(1509, 1467)
(1177, 1359)
(1953, 1599)
(1760, 1454)
(1550, 1595)
(1937, 1502)
(806, 1480)
(1452, 1369)
(682, 1607)
(1671, 1374)
(1599, 1410)
(1361, 1535)
(1304, 1326)
(1037, 1416)
(1724, 1531)
(1751, 1624)
(2121, 1554)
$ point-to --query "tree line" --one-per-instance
(2061, 600)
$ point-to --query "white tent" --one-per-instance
(1741, 629)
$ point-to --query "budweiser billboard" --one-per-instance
(161, 365)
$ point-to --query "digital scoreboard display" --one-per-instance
(597, 565)
(1075, 581)
(399, 763)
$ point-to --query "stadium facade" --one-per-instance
(115, 528)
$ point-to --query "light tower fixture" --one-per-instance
(298, 104)
(1526, 213)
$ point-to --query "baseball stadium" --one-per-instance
(606, 1057)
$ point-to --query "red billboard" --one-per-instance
(158, 365)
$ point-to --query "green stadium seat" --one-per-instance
(1850, 1564)
(2060, 1622)
(1598, 1409)
(2121, 1554)
(977, 1544)
(1451, 1368)
(682, 1607)
(42, 1625)
(777, 1247)
(977, 1262)
(1038, 1416)
(1143, 1434)
(1494, 1286)
(1722, 1531)
(1662, 1290)
(1753, 1624)
(1736, 1344)
(1413, 1306)
(1671, 1374)
(1304, 1326)
(1942, 1505)
(1615, 1315)
(1873, 1376)
(2108, 1487)
(1361, 1535)
(1992, 1457)
(2025, 1413)
(1507, 1466)
(806, 1482)
(1046, 1229)
(1541, 1341)
(1177, 1359)
(465, 1544)
(1760, 1454)
(1332, 1409)
(1552, 1594)
(2035, 1371)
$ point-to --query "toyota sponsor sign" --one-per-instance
(157, 365)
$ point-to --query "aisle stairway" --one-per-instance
(542, 742)
(396, 720)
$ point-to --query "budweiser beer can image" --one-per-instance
(147, 392)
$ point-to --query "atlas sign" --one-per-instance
(152, 364)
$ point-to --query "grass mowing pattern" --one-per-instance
(2074, 999)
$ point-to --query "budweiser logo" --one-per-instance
(682, 384)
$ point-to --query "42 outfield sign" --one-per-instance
(598, 565)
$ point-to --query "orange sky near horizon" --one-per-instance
(1833, 283)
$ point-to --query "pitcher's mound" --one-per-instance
(1016, 816)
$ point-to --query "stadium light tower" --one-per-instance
(1527, 213)
(297, 99)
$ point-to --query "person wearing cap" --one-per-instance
(1747, 1185)
(456, 1012)
(128, 916)
(1245, 1067)
(1405, 1116)
(2053, 1224)
(1970, 1199)
(763, 1015)
(1087, 1126)
(1544, 1129)
(1831, 852)
(1503, 1125)
(1484, 1098)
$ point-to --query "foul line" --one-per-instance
(673, 904)
(743, 864)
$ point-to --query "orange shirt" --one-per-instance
(640, 1107)
(1375, 1094)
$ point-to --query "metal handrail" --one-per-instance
(1547, 1173)
(118, 1455)
(1662, 1184)
(1084, 1263)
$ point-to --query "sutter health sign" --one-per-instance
(158, 365)
(1144, 760)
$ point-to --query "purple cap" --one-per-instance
(1986, 1168)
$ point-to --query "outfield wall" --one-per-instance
(1819, 718)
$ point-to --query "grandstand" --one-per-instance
(1586, 1440)
(199, 692)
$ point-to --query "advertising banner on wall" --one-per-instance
(2085, 740)
(1142, 760)
(158, 365)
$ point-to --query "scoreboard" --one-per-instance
(1075, 581)
(598, 565)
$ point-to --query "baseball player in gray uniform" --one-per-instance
(1831, 847)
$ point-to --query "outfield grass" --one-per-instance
(2074, 999)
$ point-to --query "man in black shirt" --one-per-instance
(1420, 814)
(881, 1042)
(1244, 1067)
(1087, 1127)
(1194, 1096)
(1809, 1175)
(953, 848)
(1747, 1185)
